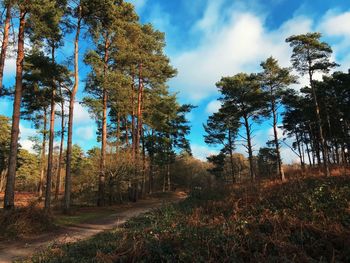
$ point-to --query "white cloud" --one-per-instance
(336, 24)
(85, 132)
(27, 145)
(10, 68)
(236, 46)
(81, 115)
(25, 133)
(211, 16)
(213, 107)
(139, 4)
(201, 152)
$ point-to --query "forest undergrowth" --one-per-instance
(303, 220)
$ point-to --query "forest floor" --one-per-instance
(302, 220)
(84, 224)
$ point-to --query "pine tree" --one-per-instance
(243, 97)
(310, 55)
(274, 81)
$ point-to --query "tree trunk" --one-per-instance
(51, 141)
(299, 150)
(5, 41)
(10, 182)
(101, 180)
(133, 133)
(43, 157)
(168, 177)
(68, 183)
(280, 171)
(139, 110)
(2, 180)
(320, 130)
(308, 153)
(117, 145)
(312, 144)
(60, 159)
(143, 188)
(150, 179)
(126, 131)
(250, 148)
(231, 157)
(164, 182)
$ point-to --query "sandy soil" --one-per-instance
(20, 249)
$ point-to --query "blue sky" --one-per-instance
(207, 39)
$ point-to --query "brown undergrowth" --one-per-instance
(304, 220)
(24, 221)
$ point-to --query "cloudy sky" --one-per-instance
(207, 39)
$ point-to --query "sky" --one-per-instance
(208, 39)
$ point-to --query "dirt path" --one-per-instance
(19, 249)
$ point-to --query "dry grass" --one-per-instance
(24, 221)
(303, 220)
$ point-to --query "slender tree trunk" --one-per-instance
(250, 148)
(139, 110)
(231, 157)
(51, 141)
(101, 181)
(151, 168)
(10, 182)
(3, 180)
(138, 131)
(126, 131)
(168, 177)
(5, 41)
(299, 150)
(43, 157)
(118, 133)
(336, 146)
(150, 180)
(164, 181)
(133, 132)
(68, 181)
(308, 153)
(320, 129)
(60, 159)
(312, 144)
(143, 165)
(280, 171)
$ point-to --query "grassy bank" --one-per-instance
(299, 221)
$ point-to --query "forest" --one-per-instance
(139, 194)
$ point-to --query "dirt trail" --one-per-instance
(20, 249)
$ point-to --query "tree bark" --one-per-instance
(319, 124)
(168, 177)
(43, 157)
(299, 150)
(250, 148)
(133, 132)
(60, 159)
(5, 41)
(308, 153)
(10, 182)
(51, 141)
(102, 177)
(143, 188)
(139, 110)
(280, 171)
(231, 157)
(117, 145)
(68, 183)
